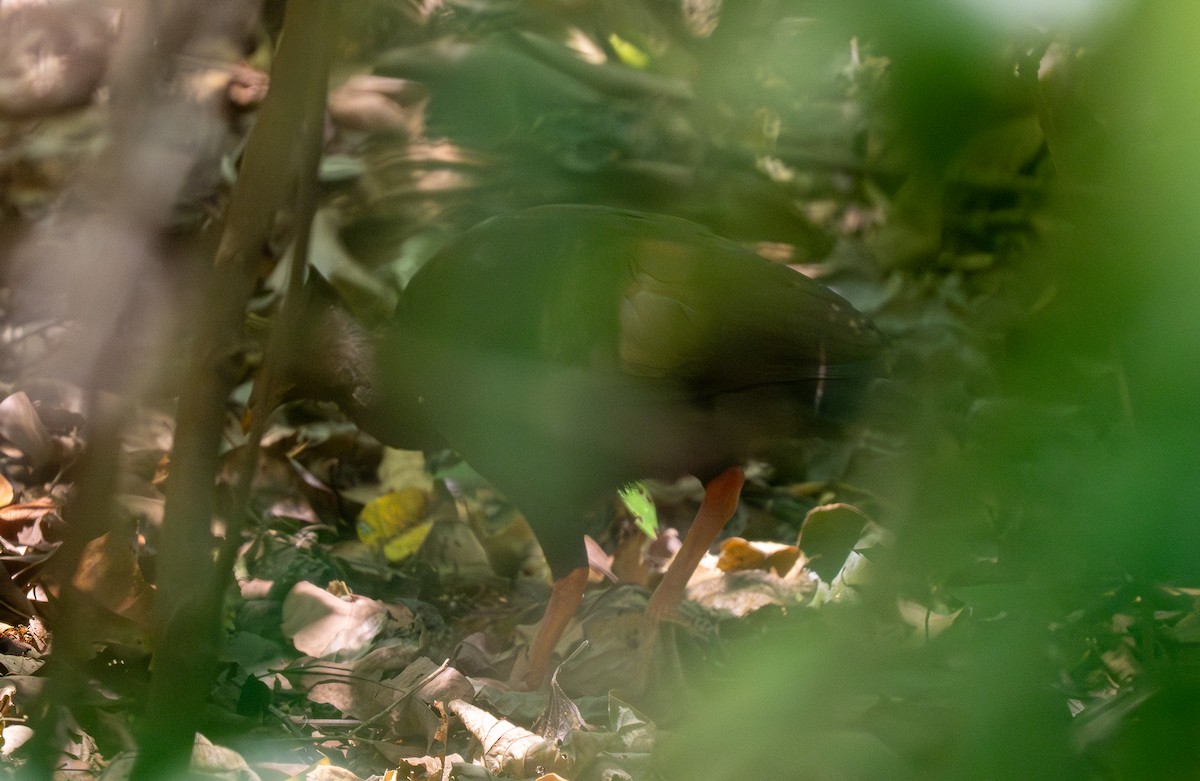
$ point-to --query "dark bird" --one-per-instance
(564, 351)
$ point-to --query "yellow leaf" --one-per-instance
(393, 524)
(629, 54)
(403, 545)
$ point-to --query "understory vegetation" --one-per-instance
(208, 212)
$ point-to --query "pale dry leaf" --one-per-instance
(20, 665)
(403, 469)
(323, 625)
(21, 425)
(742, 592)
(220, 762)
(355, 688)
(328, 772)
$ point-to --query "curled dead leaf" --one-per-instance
(27, 511)
(218, 761)
(509, 749)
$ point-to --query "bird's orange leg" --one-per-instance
(565, 597)
(720, 502)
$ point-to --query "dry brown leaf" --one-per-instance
(611, 621)
(27, 511)
(109, 574)
(509, 749)
(357, 688)
(629, 560)
(453, 550)
(741, 592)
(419, 767)
(561, 717)
(219, 761)
(6, 492)
(509, 543)
(598, 561)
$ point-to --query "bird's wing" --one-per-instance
(706, 310)
(651, 296)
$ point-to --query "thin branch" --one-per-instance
(190, 589)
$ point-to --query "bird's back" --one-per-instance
(637, 294)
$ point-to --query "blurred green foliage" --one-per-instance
(1045, 510)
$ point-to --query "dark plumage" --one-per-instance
(566, 350)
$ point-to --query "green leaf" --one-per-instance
(640, 505)
(630, 55)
